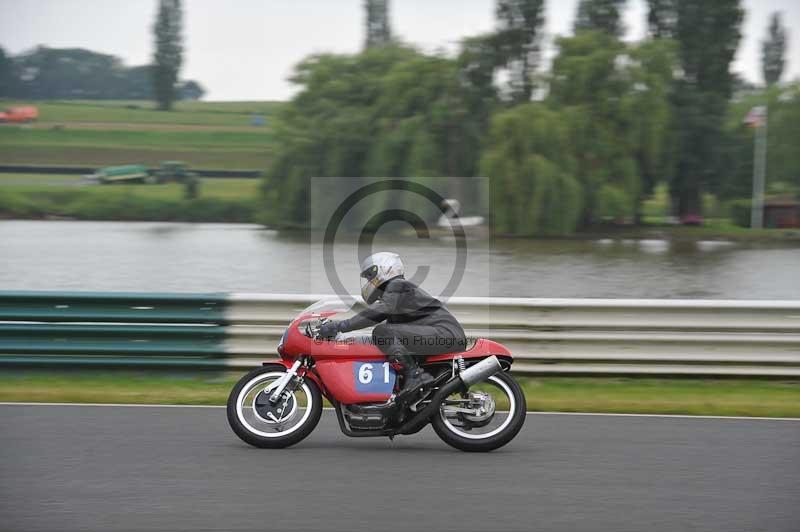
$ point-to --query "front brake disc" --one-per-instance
(277, 412)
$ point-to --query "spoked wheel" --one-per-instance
(266, 424)
(484, 418)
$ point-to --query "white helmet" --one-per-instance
(376, 270)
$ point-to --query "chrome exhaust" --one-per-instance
(480, 371)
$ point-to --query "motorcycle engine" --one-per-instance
(364, 417)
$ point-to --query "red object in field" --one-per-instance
(19, 115)
(692, 219)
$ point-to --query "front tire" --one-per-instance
(488, 437)
(246, 408)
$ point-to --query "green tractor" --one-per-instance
(173, 172)
(178, 172)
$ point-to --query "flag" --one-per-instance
(757, 116)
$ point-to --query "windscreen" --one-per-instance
(331, 304)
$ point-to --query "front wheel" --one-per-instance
(264, 424)
(484, 418)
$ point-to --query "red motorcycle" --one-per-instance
(473, 405)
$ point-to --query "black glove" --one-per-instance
(329, 329)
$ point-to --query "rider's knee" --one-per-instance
(381, 332)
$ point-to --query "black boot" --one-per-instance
(415, 379)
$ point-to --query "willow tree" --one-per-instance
(390, 111)
(615, 98)
(528, 160)
(586, 82)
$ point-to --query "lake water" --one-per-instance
(69, 255)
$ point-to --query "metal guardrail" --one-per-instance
(547, 336)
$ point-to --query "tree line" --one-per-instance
(582, 143)
(75, 73)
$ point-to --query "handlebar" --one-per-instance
(313, 328)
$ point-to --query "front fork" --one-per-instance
(277, 388)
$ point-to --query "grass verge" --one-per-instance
(123, 138)
(112, 156)
(221, 200)
(622, 395)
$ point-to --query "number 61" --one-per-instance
(365, 374)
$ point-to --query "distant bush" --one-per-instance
(783, 189)
(614, 204)
(739, 212)
(711, 206)
(120, 207)
(217, 210)
(122, 204)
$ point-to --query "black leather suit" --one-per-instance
(415, 322)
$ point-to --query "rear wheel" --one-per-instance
(264, 424)
(484, 418)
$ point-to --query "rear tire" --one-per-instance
(275, 440)
(476, 443)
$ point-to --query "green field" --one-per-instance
(621, 395)
(105, 133)
(42, 195)
(154, 140)
(110, 133)
(114, 156)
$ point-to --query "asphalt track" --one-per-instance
(83, 468)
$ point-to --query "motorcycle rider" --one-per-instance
(408, 321)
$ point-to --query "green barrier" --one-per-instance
(78, 328)
(126, 362)
(123, 307)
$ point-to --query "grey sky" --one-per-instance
(245, 49)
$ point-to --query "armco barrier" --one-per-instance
(547, 336)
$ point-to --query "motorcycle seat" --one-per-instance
(481, 347)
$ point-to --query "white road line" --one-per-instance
(605, 414)
(11, 403)
(678, 416)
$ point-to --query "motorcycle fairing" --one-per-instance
(336, 363)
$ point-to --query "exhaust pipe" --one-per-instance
(473, 374)
(482, 370)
